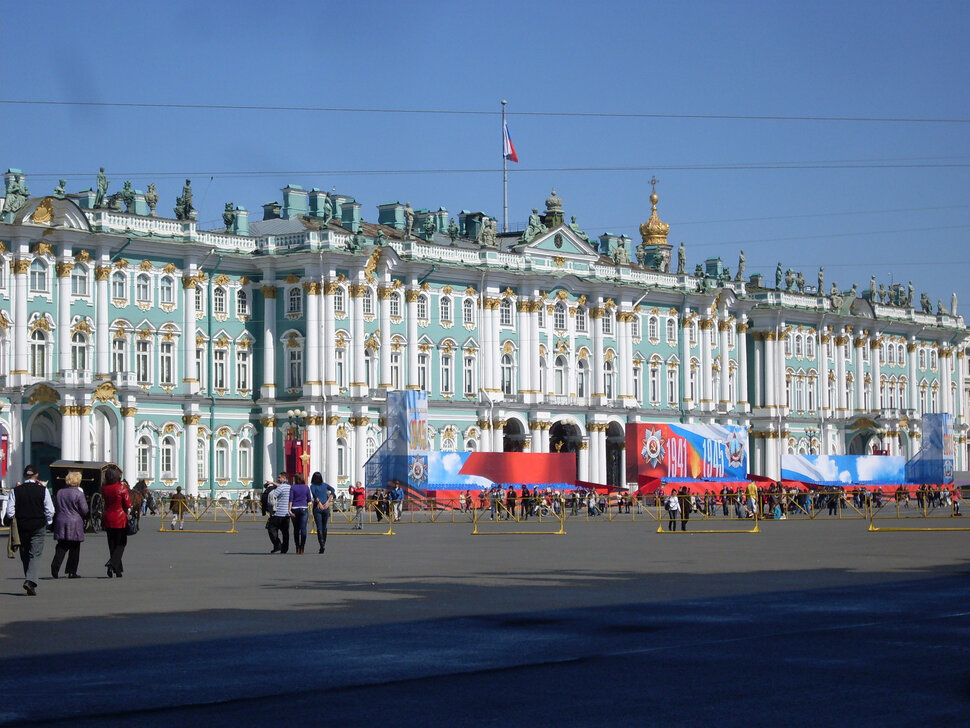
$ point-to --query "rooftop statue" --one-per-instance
(620, 256)
(535, 227)
(872, 288)
(835, 289)
(59, 190)
(16, 194)
(800, 282)
(151, 197)
(779, 275)
(789, 279)
(881, 293)
(453, 230)
(698, 271)
(925, 304)
(953, 304)
(488, 235)
(682, 259)
(128, 195)
(641, 255)
(381, 240)
(408, 220)
(229, 216)
(183, 204)
(102, 189)
(940, 311)
(910, 293)
(854, 293)
(429, 227)
(821, 281)
(574, 226)
(328, 208)
(742, 263)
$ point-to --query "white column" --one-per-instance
(572, 360)
(823, 374)
(705, 376)
(860, 374)
(758, 370)
(102, 326)
(485, 339)
(411, 296)
(497, 435)
(781, 362)
(312, 383)
(875, 353)
(544, 445)
(725, 362)
(535, 436)
(358, 380)
(525, 336)
(583, 455)
(329, 342)
(840, 383)
(742, 381)
(384, 294)
(63, 269)
(269, 448)
(313, 434)
(331, 464)
(625, 364)
(129, 451)
(69, 433)
(190, 380)
(532, 351)
(598, 385)
(688, 403)
(191, 446)
(83, 425)
(20, 269)
(18, 447)
(359, 454)
(911, 388)
(600, 453)
(769, 372)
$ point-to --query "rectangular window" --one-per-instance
(143, 374)
(200, 372)
(166, 363)
(219, 368)
(446, 374)
(468, 374)
(294, 369)
(79, 281)
(242, 370)
(423, 371)
(119, 355)
(671, 386)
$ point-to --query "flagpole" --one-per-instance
(505, 177)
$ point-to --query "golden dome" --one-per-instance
(654, 231)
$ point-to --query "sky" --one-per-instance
(826, 134)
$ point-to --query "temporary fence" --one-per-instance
(203, 515)
(352, 522)
(499, 514)
(737, 509)
(932, 510)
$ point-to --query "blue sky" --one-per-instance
(898, 211)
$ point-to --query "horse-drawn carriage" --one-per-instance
(92, 478)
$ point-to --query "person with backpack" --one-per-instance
(30, 505)
(323, 496)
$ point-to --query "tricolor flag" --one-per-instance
(509, 146)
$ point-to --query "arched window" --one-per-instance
(294, 366)
(582, 378)
(38, 276)
(609, 379)
(799, 346)
(470, 445)
(167, 453)
(448, 444)
(340, 300)
(692, 390)
(505, 312)
(394, 305)
(447, 377)
(166, 290)
(245, 460)
(672, 384)
(222, 459)
(166, 363)
(445, 309)
(342, 470)
(340, 367)
(508, 373)
(671, 330)
(119, 285)
(220, 299)
(143, 457)
(422, 307)
(79, 280)
(119, 354)
(294, 300)
(653, 381)
(242, 304)
(469, 368)
(582, 319)
(367, 302)
(395, 370)
(143, 361)
(653, 328)
(635, 325)
(922, 358)
(559, 317)
(79, 351)
(559, 376)
(200, 300)
(788, 344)
(370, 369)
(38, 353)
(468, 311)
(203, 459)
(933, 359)
(607, 322)
(542, 316)
(143, 288)
(542, 375)
(424, 371)
(810, 346)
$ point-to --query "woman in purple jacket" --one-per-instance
(70, 510)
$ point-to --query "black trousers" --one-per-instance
(279, 532)
(117, 540)
(72, 549)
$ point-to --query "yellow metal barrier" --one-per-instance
(349, 518)
(198, 511)
(555, 514)
(673, 520)
(926, 511)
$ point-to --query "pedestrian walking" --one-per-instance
(281, 514)
(323, 496)
(71, 508)
(673, 510)
(116, 505)
(299, 503)
(31, 507)
(178, 504)
(360, 501)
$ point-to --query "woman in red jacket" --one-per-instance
(116, 505)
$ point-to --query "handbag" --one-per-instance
(132, 524)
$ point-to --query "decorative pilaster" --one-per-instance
(598, 373)
(312, 386)
(525, 334)
(742, 378)
(358, 379)
(876, 358)
(63, 270)
(129, 451)
(190, 380)
(859, 343)
(384, 294)
(269, 448)
(706, 374)
(411, 296)
(102, 324)
(329, 344)
(190, 445)
(723, 328)
(19, 270)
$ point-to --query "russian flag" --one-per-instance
(509, 148)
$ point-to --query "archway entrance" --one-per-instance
(104, 436)
(565, 437)
(514, 437)
(858, 445)
(615, 452)
(45, 442)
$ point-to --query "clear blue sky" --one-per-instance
(900, 211)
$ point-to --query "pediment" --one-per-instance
(560, 242)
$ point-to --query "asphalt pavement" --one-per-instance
(805, 622)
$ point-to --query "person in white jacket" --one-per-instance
(673, 510)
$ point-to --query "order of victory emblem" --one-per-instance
(417, 470)
(735, 449)
(652, 449)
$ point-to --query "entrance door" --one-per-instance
(45, 443)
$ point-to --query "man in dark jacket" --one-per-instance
(31, 505)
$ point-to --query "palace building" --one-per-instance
(207, 358)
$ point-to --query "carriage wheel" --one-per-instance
(96, 514)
